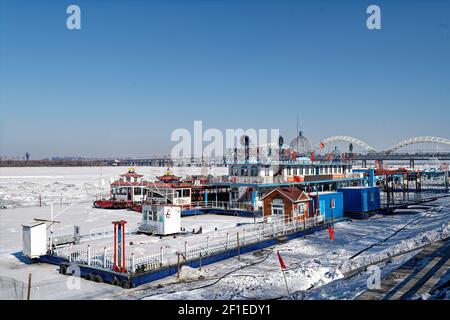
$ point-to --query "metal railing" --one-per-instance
(225, 205)
(200, 247)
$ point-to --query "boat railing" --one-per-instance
(225, 205)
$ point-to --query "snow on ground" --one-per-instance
(22, 187)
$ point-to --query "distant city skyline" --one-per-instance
(137, 70)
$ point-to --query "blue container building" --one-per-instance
(361, 199)
(330, 204)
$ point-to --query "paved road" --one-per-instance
(427, 271)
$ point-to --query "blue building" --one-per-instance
(329, 204)
(361, 199)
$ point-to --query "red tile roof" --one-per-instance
(291, 193)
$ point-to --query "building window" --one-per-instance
(332, 203)
(301, 209)
(234, 171)
(244, 171)
(277, 207)
(254, 171)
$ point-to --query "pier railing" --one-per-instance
(225, 205)
(192, 249)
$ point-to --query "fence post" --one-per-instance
(89, 255)
(161, 256)
(104, 257)
(238, 246)
(228, 238)
(207, 245)
(185, 251)
(178, 266)
(132, 262)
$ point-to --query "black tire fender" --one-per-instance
(115, 282)
(125, 285)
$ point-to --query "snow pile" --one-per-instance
(188, 274)
(406, 245)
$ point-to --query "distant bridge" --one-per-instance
(396, 156)
(373, 154)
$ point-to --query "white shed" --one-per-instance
(34, 235)
(160, 219)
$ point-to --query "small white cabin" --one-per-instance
(34, 235)
(160, 219)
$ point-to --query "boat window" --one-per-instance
(137, 191)
(186, 193)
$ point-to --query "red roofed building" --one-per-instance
(286, 203)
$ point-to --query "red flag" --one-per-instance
(283, 266)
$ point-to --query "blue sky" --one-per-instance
(137, 70)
